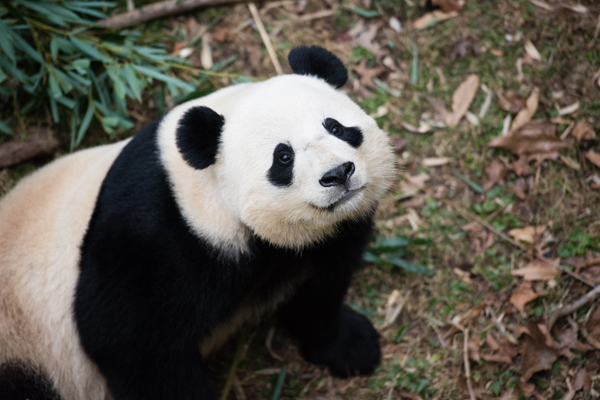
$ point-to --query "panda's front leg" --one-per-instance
(329, 333)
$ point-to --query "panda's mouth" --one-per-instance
(346, 197)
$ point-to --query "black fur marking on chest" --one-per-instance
(351, 135)
(281, 172)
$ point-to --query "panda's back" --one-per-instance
(42, 224)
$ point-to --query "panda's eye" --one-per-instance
(336, 130)
(285, 158)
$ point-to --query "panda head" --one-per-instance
(292, 157)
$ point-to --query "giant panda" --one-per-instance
(122, 266)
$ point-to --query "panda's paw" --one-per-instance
(354, 351)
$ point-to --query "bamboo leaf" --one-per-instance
(81, 65)
(90, 50)
(134, 83)
(85, 123)
(5, 128)
(54, 87)
(2, 75)
(153, 73)
(7, 47)
(26, 48)
(54, 48)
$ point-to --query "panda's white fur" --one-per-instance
(44, 219)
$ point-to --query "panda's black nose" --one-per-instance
(338, 176)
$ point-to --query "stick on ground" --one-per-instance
(265, 38)
(157, 10)
(569, 308)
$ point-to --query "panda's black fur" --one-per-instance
(150, 289)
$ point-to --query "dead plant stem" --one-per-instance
(265, 38)
(569, 308)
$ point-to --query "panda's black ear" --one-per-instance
(317, 61)
(198, 135)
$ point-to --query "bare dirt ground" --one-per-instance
(493, 109)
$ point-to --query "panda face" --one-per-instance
(297, 157)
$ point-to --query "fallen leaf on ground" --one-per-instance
(395, 24)
(495, 172)
(221, 34)
(394, 306)
(532, 51)
(583, 380)
(489, 339)
(537, 270)
(593, 157)
(536, 355)
(206, 58)
(520, 189)
(462, 46)
(365, 38)
(522, 295)
(510, 394)
(527, 388)
(569, 162)
(583, 131)
(367, 74)
(436, 161)
(473, 347)
(432, 18)
(570, 109)
(567, 340)
(528, 233)
(449, 5)
(537, 136)
(593, 323)
(592, 274)
(542, 4)
(524, 116)
(578, 8)
(441, 113)
(511, 102)
(505, 352)
(461, 99)
(399, 144)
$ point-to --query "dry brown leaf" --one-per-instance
(578, 8)
(536, 355)
(567, 340)
(592, 274)
(527, 388)
(537, 270)
(206, 58)
(528, 233)
(593, 157)
(524, 116)
(365, 38)
(532, 51)
(399, 144)
(473, 347)
(593, 323)
(569, 162)
(522, 295)
(510, 394)
(489, 339)
(462, 98)
(534, 137)
(505, 352)
(583, 380)
(583, 131)
(495, 172)
(473, 226)
(511, 102)
(436, 161)
(448, 5)
(367, 74)
(432, 18)
(542, 4)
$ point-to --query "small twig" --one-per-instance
(40, 142)
(236, 360)
(269, 344)
(590, 263)
(569, 308)
(467, 363)
(470, 216)
(265, 38)
(157, 10)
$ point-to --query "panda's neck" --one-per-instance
(199, 198)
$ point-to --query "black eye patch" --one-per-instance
(281, 172)
(351, 135)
